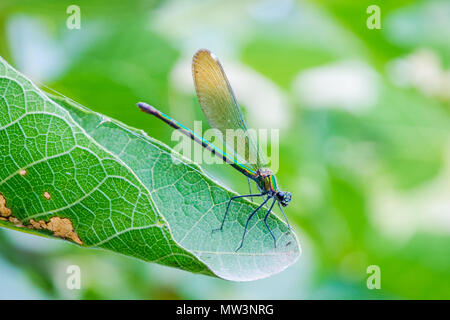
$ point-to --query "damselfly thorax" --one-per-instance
(267, 184)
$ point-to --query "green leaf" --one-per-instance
(68, 172)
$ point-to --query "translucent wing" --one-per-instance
(221, 109)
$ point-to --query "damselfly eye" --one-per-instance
(284, 198)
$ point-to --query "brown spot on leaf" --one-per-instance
(16, 221)
(4, 211)
(61, 227)
(47, 195)
(35, 224)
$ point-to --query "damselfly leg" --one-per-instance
(285, 218)
(265, 221)
(248, 220)
(250, 188)
(228, 207)
(252, 214)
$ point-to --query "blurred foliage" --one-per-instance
(369, 183)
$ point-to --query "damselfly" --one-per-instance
(223, 113)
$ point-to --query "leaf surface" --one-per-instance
(69, 172)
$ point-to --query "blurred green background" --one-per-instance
(364, 130)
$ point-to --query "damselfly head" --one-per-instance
(284, 197)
